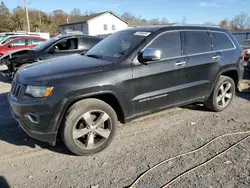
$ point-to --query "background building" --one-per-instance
(97, 24)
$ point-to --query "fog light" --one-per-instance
(33, 118)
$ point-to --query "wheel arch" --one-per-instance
(108, 97)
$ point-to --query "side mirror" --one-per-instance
(150, 54)
(10, 46)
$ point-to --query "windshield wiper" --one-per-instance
(95, 56)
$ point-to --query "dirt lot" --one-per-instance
(138, 146)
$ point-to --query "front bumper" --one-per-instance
(41, 130)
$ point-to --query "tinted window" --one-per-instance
(105, 27)
(35, 42)
(18, 43)
(67, 44)
(168, 43)
(197, 42)
(221, 41)
(89, 42)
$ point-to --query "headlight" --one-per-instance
(39, 91)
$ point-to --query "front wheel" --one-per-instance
(222, 94)
(90, 126)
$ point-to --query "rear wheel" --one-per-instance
(90, 127)
(222, 94)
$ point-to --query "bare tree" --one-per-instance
(224, 23)
(155, 21)
(128, 16)
(164, 21)
(240, 22)
(75, 14)
(209, 23)
(184, 20)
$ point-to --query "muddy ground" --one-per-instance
(137, 147)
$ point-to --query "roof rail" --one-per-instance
(197, 25)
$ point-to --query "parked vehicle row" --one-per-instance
(17, 43)
(128, 74)
(55, 47)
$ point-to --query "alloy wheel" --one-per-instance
(92, 129)
(224, 95)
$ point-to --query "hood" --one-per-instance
(14, 53)
(61, 67)
(18, 55)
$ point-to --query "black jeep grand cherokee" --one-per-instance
(130, 73)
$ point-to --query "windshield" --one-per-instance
(117, 44)
(6, 40)
(45, 44)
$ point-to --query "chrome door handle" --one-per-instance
(216, 57)
(181, 63)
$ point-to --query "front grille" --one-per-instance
(15, 89)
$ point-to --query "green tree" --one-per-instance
(6, 21)
(18, 18)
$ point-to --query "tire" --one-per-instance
(213, 102)
(82, 118)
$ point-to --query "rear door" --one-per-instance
(17, 44)
(34, 42)
(159, 84)
(225, 48)
(202, 63)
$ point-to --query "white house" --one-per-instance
(97, 24)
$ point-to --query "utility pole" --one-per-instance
(27, 16)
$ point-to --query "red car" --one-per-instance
(20, 43)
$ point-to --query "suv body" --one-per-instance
(55, 47)
(130, 73)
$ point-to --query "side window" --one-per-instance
(168, 43)
(67, 44)
(19, 43)
(221, 41)
(113, 27)
(197, 42)
(105, 27)
(89, 42)
(35, 42)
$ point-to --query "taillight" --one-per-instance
(243, 54)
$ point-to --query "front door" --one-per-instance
(159, 84)
(62, 48)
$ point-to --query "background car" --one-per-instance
(11, 37)
(246, 47)
(54, 47)
(20, 43)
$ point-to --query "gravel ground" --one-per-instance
(138, 146)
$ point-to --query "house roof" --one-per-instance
(84, 19)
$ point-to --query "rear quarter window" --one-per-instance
(89, 42)
(222, 41)
(197, 42)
